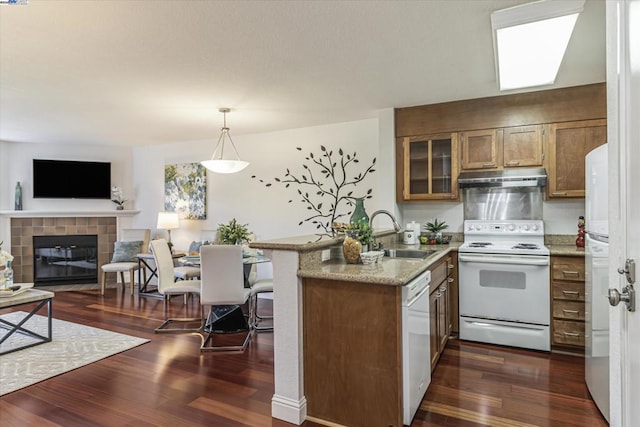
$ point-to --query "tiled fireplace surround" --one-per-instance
(23, 230)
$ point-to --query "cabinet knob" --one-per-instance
(450, 279)
(451, 266)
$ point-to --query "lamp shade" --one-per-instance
(168, 220)
(225, 166)
(220, 163)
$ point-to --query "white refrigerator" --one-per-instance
(597, 278)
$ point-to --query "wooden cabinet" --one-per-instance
(479, 149)
(501, 148)
(353, 352)
(430, 167)
(440, 308)
(522, 146)
(567, 145)
(567, 306)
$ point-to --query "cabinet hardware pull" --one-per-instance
(450, 280)
(559, 193)
(570, 292)
(443, 289)
(570, 311)
(570, 273)
(451, 266)
(571, 334)
(438, 295)
(488, 165)
(513, 163)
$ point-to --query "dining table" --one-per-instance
(247, 262)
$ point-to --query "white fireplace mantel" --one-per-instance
(69, 213)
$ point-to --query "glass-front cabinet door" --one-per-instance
(431, 167)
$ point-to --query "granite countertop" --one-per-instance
(565, 250)
(389, 271)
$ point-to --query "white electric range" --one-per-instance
(504, 283)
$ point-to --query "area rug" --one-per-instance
(73, 346)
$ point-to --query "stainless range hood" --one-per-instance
(519, 177)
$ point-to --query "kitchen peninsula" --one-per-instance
(304, 284)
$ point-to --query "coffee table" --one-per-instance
(9, 328)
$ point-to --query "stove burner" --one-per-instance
(526, 246)
(479, 244)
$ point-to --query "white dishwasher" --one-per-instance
(416, 350)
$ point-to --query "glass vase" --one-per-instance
(351, 248)
(359, 215)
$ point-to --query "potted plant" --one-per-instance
(436, 228)
(233, 233)
(117, 197)
(365, 235)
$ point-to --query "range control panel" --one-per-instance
(502, 228)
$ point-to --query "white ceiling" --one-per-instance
(137, 72)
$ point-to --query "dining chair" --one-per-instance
(168, 287)
(260, 281)
(222, 281)
(125, 257)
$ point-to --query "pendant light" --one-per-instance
(218, 163)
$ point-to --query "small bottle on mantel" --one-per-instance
(581, 233)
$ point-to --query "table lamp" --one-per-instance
(168, 221)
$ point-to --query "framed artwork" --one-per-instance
(185, 190)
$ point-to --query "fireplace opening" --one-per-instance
(65, 259)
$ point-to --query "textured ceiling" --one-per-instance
(137, 72)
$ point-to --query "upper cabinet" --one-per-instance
(479, 149)
(501, 148)
(552, 128)
(568, 143)
(430, 167)
(522, 146)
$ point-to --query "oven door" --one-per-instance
(504, 287)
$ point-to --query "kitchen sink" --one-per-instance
(407, 253)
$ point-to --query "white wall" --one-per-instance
(16, 165)
(140, 171)
(266, 210)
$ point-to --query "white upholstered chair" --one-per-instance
(168, 287)
(131, 265)
(261, 281)
(222, 280)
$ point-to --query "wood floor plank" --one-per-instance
(473, 416)
(168, 382)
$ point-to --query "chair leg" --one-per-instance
(207, 337)
(104, 279)
(164, 329)
(131, 279)
(122, 282)
(257, 318)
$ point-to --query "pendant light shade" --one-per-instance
(218, 163)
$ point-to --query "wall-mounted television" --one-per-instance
(71, 179)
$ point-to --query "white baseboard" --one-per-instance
(289, 410)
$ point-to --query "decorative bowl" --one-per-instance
(371, 257)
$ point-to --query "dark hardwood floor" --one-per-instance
(167, 382)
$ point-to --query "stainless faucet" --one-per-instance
(396, 226)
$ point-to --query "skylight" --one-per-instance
(530, 41)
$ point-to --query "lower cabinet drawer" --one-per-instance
(568, 291)
(569, 310)
(566, 332)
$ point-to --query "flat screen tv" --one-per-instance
(70, 179)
